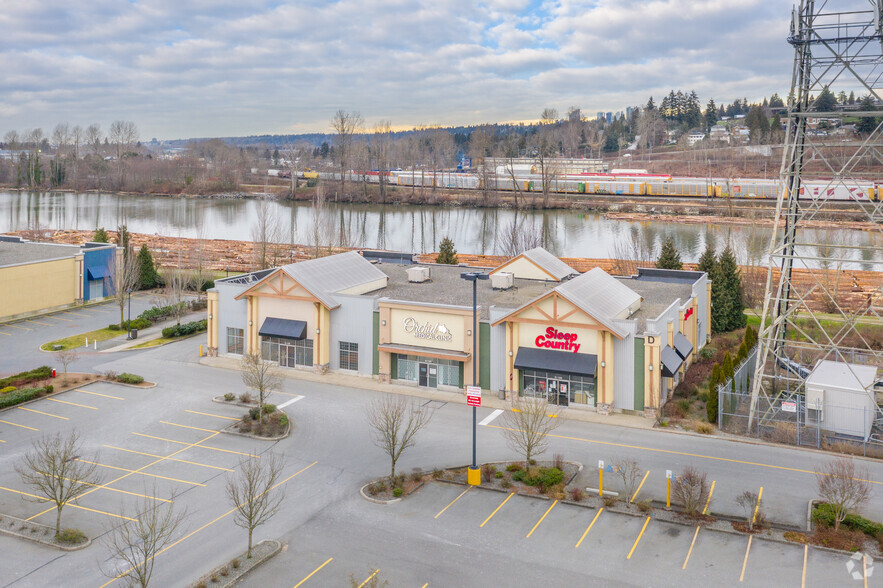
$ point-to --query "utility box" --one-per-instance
(418, 274)
(502, 280)
(841, 398)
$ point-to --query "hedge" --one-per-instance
(160, 312)
(138, 323)
(127, 378)
(23, 395)
(41, 373)
(823, 515)
(185, 329)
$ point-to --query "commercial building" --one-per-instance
(590, 341)
(40, 277)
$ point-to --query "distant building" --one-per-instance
(609, 117)
(628, 112)
(600, 116)
(694, 137)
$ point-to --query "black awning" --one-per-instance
(284, 328)
(671, 362)
(682, 345)
(548, 360)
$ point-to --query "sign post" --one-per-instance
(601, 478)
(474, 474)
(667, 488)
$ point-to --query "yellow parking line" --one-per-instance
(589, 528)
(217, 416)
(327, 561)
(58, 318)
(197, 445)
(803, 577)
(43, 413)
(196, 463)
(17, 425)
(641, 534)
(16, 327)
(72, 403)
(43, 498)
(188, 427)
(208, 524)
(7, 334)
(745, 561)
(368, 579)
(110, 514)
(452, 502)
(511, 494)
(2, 441)
(641, 485)
(541, 520)
(104, 465)
(105, 487)
(708, 501)
(692, 543)
(98, 394)
(39, 323)
(757, 507)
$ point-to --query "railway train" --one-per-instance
(622, 184)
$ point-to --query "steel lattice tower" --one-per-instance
(816, 305)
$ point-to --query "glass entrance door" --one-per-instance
(427, 375)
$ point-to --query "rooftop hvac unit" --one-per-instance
(502, 280)
(418, 274)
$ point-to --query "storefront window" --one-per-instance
(349, 356)
(288, 352)
(560, 389)
(429, 371)
(235, 340)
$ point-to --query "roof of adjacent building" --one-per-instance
(325, 276)
(657, 294)
(14, 253)
(550, 263)
(843, 376)
(599, 293)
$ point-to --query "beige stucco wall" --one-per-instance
(523, 268)
(295, 310)
(454, 324)
(586, 338)
(37, 286)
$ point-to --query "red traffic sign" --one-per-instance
(473, 396)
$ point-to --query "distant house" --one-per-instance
(694, 137)
(719, 133)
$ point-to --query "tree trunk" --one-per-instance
(248, 554)
(58, 520)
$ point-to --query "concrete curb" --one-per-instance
(54, 392)
(11, 533)
(220, 400)
(378, 500)
(258, 437)
(233, 578)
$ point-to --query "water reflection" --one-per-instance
(410, 228)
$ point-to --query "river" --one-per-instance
(418, 229)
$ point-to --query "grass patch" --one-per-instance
(80, 340)
(163, 341)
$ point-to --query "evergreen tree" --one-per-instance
(825, 101)
(651, 106)
(446, 252)
(851, 99)
(712, 403)
(727, 368)
(100, 236)
(669, 257)
(776, 101)
(147, 275)
(708, 261)
(742, 353)
(710, 115)
(866, 124)
(729, 270)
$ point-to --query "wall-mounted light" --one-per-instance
(250, 323)
(650, 367)
(383, 322)
(469, 333)
(210, 317)
(510, 353)
(317, 331)
(603, 364)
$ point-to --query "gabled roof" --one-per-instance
(544, 260)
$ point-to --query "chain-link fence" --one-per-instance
(788, 419)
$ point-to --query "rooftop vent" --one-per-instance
(502, 280)
(418, 274)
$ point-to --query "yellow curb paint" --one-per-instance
(589, 528)
(803, 576)
(541, 520)
(641, 485)
(641, 534)
(452, 502)
(690, 551)
(327, 561)
(496, 509)
(745, 561)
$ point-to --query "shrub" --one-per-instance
(245, 398)
(708, 352)
(514, 467)
(22, 395)
(225, 571)
(397, 492)
(505, 484)
(113, 327)
(235, 564)
(577, 494)
(70, 536)
(416, 476)
(127, 378)
(40, 373)
(282, 419)
(487, 472)
(532, 462)
(160, 312)
(557, 492)
(437, 473)
(704, 428)
(558, 461)
(229, 397)
(254, 413)
(8, 389)
(543, 478)
(644, 505)
(609, 501)
(269, 408)
(498, 475)
(823, 515)
(185, 329)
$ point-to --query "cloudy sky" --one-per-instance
(201, 68)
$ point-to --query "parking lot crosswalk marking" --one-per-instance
(208, 524)
(690, 551)
(43, 413)
(327, 561)
(589, 528)
(98, 394)
(452, 502)
(17, 425)
(197, 444)
(641, 534)
(511, 494)
(541, 520)
(489, 418)
(217, 416)
(641, 485)
(708, 501)
(72, 403)
(196, 463)
(368, 579)
(745, 561)
(187, 427)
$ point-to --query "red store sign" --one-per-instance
(554, 339)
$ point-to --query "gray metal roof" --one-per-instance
(550, 263)
(326, 275)
(12, 253)
(600, 295)
(843, 376)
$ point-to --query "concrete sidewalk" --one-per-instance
(149, 334)
(487, 400)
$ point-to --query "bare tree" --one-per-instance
(67, 356)
(630, 474)
(262, 376)
(380, 149)
(395, 422)
(749, 502)
(78, 137)
(843, 485)
(267, 236)
(345, 125)
(134, 545)
(54, 470)
(323, 225)
(518, 237)
(253, 492)
(631, 252)
(122, 277)
(123, 135)
(691, 490)
(176, 283)
(94, 137)
(528, 426)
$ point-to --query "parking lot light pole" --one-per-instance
(474, 476)
(129, 326)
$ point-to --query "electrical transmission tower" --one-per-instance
(823, 299)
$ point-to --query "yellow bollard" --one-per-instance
(667, 488)
(600, 478)
(200, 351)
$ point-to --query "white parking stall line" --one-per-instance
(287, 402)
(489, 418)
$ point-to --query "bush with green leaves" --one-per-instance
(40, 373)
(8, 389)
(23, 395)
(823, 515)
(540, 477)
(127, 378)
(71, 536)
(185, 329)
